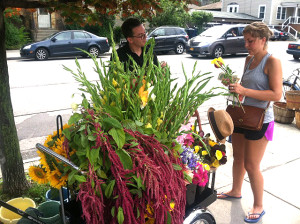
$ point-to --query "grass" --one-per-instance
(36, 192)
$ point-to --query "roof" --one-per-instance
(231, 15)
(213, 6)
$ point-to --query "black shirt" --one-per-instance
(125, 50)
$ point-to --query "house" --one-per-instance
(41, 23)
(281, 14)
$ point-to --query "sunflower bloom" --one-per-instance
(219, 154)
(38, 174)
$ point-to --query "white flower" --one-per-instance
(74, 106)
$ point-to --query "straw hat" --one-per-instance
(221, 123)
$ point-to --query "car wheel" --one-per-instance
(296, 57)
(194, 55)
(218, 51)
(94, 51)
(41, 54)
(179, 48)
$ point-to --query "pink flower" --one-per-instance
(200, 176)
(189, 140)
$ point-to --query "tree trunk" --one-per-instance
(14, 181)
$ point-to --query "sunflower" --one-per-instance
(38, 174)
(56, 179)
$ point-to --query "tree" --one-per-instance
(14, 181)
(200, 18)
(173, 14)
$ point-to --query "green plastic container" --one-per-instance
(49, 213)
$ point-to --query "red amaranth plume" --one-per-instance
(92, 203)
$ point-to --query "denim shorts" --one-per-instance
(252, 135)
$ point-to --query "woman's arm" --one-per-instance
(274, 70)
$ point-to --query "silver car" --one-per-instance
(217, 41)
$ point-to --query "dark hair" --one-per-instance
(128, 25)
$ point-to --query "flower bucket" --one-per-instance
(297, 116)
(49, 211)
(293, 99)
(54, 196)
(7, 216)
(283, 114)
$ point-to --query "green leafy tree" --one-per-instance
(198, 19)
(173, 14)
(77, 11)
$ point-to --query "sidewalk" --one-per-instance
(280, 167)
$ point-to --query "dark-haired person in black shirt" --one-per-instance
(135, 34)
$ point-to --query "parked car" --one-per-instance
(65, 43)
(294, 49)
(279, 35)
(217, 41)
(169, 38)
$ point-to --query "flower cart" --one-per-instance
(118, 153)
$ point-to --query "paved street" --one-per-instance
(42, 90)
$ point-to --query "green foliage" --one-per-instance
(101, 28)
(200, 18)
(36, 192)
(172, 14)
(15, 34)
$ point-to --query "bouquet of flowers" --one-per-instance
(227, 77)
(200, 151)
(123, 136)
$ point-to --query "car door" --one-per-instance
(171, 38)
(61, 44)
(232, 41)
(80, 41)
(159, 36)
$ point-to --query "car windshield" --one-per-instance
(214, 31)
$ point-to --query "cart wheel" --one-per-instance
(203, 218)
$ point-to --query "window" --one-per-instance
(64, 36)
(159, 32)
(233, 7)
(79, 35)
(281, 13)
(170, 31)
(261, 11)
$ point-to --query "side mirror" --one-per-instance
(153, 35)
(229, 35)
(53, 39)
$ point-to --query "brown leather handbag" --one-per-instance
(252, 118)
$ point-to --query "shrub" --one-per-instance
(15, 34)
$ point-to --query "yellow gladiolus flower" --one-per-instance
(218, 62)
(219, 154)
(159, 121)
(74, 106)
(197, 148)
(114, 82)
(148, 125)
(172, 205)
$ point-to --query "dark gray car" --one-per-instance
(169, 38)
(217, 41)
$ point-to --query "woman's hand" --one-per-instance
(237, 88)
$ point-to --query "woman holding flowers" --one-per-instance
(260, 84)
